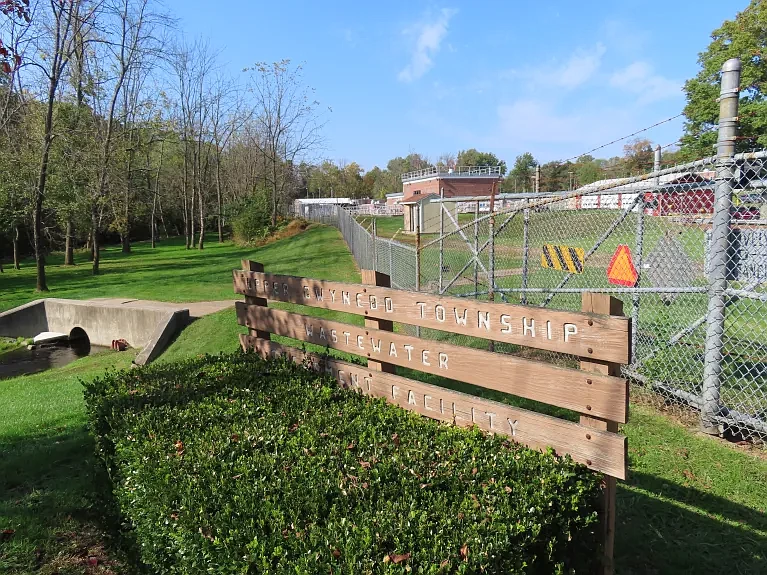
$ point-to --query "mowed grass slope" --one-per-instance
(50, 502)
(691, 504)
(172, 273)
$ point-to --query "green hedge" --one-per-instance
(234, 464)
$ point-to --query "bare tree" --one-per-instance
(227, 117)
(68, 19)
(133, 35)
(288, 123)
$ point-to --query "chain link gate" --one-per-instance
(685, 248)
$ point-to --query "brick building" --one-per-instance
(421, 188)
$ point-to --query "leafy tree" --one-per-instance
(744, 38)
(556, 176)
(637, 156)
(473, 157)
(587, 170)
(519, 178)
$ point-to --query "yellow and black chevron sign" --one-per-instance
(562, 258)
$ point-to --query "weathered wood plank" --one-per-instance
(599, 450)
(581, 334)
(372, 277)
(250, 266)
(568, 388)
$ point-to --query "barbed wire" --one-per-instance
(655, 125)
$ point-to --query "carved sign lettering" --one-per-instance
(601, 451)
(594, 394)
(581, 334)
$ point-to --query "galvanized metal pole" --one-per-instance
(476, 249)
(491, 256)
(417, 211)
(719, 248)
(441, 234)
(375, 246)
(525, 251)
(638, 251)
(537, 179)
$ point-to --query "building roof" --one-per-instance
(492, 172)
(395, 195)
(418, 198)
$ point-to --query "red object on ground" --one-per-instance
(119, 344)
(621, 270)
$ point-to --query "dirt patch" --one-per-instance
(294, 228)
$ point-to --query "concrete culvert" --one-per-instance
(79, 341)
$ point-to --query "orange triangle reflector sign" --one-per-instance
(621, 270)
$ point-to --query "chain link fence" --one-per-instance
(684, 248)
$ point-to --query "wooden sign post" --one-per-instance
(599, 335)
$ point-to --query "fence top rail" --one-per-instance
(596, 336)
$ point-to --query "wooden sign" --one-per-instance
(589, 335)
(599, 395)
(598, 450)
(593, 391)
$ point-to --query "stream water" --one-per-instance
(27, 361)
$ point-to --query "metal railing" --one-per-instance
(456, 171)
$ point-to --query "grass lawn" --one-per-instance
(692, 504)
(172, 273)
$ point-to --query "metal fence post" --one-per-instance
(375, 246)
(491, 256)
(476, 249)
(391, 261)
(638, 250)
(417, 213)
(719, 248)
(525, 251)
(441, 234)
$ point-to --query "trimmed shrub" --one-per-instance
(252, 219)
(235, 464)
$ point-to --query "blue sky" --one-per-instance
(555, 78)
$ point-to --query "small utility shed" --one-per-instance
(422, 187)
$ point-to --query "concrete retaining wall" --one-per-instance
(142, 327)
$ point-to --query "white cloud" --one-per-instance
(429, 36)
(579, 68)
(533, 121)
(640, 78)
(552, 130)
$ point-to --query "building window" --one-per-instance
(415, 193)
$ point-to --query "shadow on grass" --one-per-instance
(55, 502)
(664, 527)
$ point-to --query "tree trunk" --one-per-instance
(185, 202)
(125, 240)
(185, 213)
(69, 251)
(95, 240)
(37, 213)
(16, 263)
(162, 218)
(151, 221)
(156, 194)
(191, 218)
(218, 199)
(201, 243)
